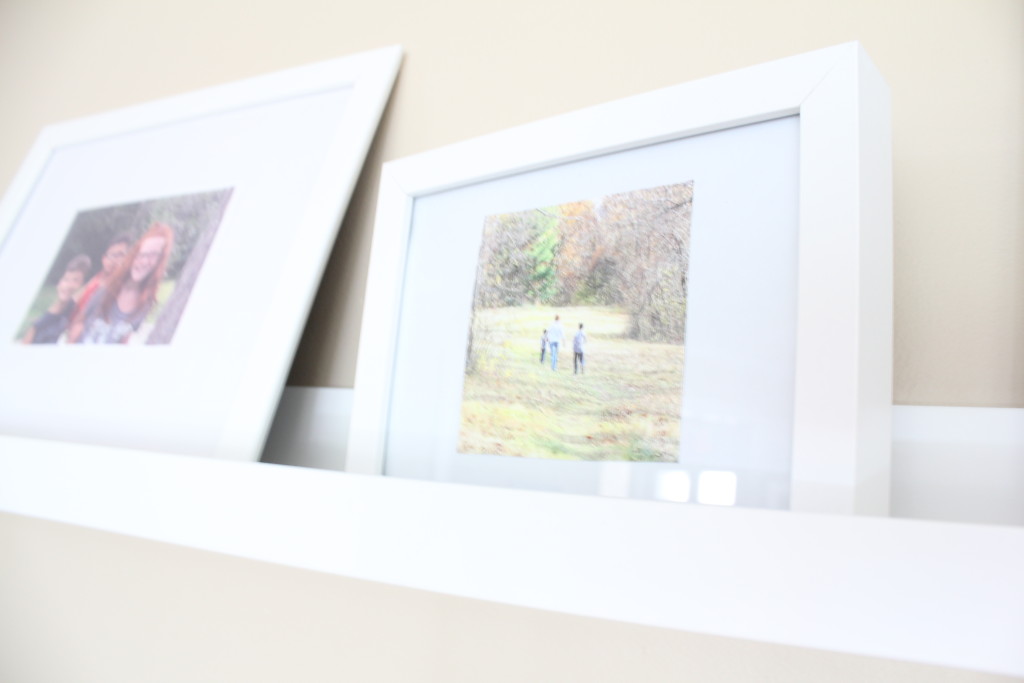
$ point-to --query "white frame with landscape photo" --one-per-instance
(841, 378)
(607, 274)
(286, 149)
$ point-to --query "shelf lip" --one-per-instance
(959, 425)
(936, 593)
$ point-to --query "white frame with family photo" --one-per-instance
(290, 145)
(843, 328)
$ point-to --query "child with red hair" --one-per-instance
(117, 309)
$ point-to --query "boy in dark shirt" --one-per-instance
(578, 342)
(48, 327)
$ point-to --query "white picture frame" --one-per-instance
(850, 584)
(289, 147)
(843, 331)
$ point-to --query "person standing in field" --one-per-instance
(555, 336)
(577, 350)
(543, 346)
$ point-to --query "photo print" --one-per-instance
(124, 274)
(577, 336)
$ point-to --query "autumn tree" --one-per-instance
(630, 249)
(583, 262)
(650, 230)
(517, 259)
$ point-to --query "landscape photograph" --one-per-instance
(576, 344)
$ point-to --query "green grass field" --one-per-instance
(625, 407)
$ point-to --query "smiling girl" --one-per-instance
(117, 308)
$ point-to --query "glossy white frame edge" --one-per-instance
(843, 381)
(935, 593)
(370, 75)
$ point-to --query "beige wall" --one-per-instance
(77, 605)
(956, 69)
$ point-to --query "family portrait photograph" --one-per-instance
(124, 273)
(576, 344)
